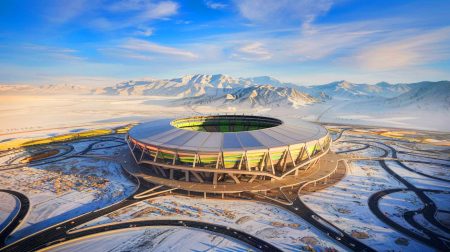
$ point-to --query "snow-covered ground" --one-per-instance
(396, 204)
(349, 210)
(155, 239)
(417, 179)
(112, 148)
(436, 170)
(65, 189)
(9, 206)
(442, 200)
(33, 116)
(273, 224)
(37, 116)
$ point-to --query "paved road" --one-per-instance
(23, 210)
(365, 146)
(303, 211)
(65, 155)
(336, 233)
(58, 232)
(423, 156)
(433, 241)
(58, 157)
(227, 231)
(429, 211)
(109, 139)
(340, 134)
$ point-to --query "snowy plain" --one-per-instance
(271, 223)
(158, 239)
(65, 189)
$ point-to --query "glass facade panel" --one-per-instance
(254, 159)
(296, 151)
(166, 156)
(232, 160)
(277, 156)
(207, 160)
(186, 158)
(151, 151)
(311, 148)
(304, 155)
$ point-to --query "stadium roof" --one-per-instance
(162, 134)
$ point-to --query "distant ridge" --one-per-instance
(262, 91)
(253, 96)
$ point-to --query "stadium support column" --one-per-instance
(215, 178)
(142, 154)
(290, 156)
(263, 163)
(320, 146)
(246, 161)
(217, 167)
(240, 162)
(271, 162)
(285, 154)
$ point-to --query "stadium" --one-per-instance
(226, 153)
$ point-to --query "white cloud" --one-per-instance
(132, 13)
(142, 46)
(251, 51)
(144, 31)
(65, 10)
(56, 53)
(414, 50)
(215, 5)
(283, 11)
(125, 5)
(324, 41)
(145, 10)
(158, 10)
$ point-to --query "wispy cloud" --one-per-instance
(56, 53)
(95, 15)
(413, 50)
(144, 31)
(251, 51)
(283, 11)
(215, 5)
(65, 10)
(158, 10)
(146, 47)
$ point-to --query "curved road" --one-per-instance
(429, 211)
(230, 232)
(303, 211)
(59, 232)
(18, 218)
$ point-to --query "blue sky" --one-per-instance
(101, 42)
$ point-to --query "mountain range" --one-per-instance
(263, 91)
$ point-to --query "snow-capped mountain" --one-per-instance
(349, 91)
(259, 91)
(186, 86)
(255, 96)
(52, 89)
(424, 96)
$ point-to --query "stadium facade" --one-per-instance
(225, 149)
